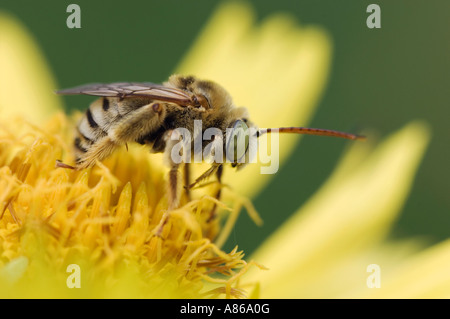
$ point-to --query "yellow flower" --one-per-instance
(104, 221)
(96, 229)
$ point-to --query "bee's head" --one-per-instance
(209, 94)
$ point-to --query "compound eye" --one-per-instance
(237, 142)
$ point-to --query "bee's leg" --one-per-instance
(205, 175)
(98, 151)
(174, 189)
(132, 126)
(187, 180)
(174, 196)
(219, 173)
(63, 165)
(215, 168)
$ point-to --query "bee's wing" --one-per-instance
(125, 89)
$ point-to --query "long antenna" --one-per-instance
(311, 131)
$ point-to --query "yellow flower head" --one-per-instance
(106, 219)
(107, 222)
(100, 232)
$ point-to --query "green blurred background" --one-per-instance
(380, 79)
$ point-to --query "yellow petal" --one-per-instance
(24, 75)
(425, 275)
(276, 69)
(351, 212)
(123, 212)
(13, 270)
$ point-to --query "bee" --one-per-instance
(148, 113)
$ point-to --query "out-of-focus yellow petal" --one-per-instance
(24, 75)
(277, 70)
(13, 270)
(425, 275)
(352, 212)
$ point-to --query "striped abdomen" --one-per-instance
(102, 118)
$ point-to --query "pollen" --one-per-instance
(108, 220)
